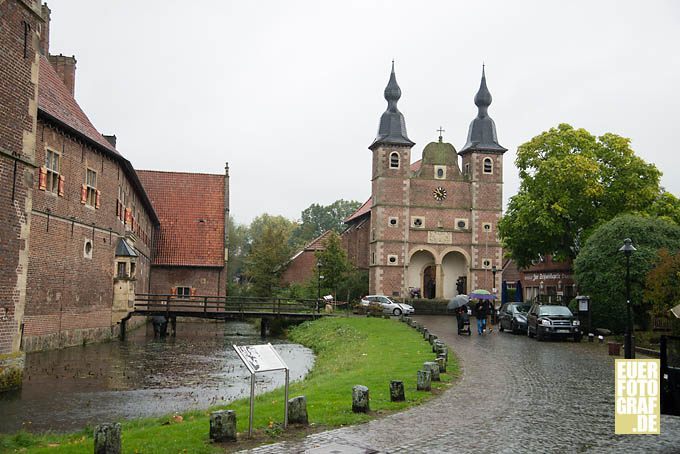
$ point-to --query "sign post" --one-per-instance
(262, 358)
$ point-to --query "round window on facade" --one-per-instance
(486, 263)
(393, 259)
(461, 224)
(487, 227)
(417, 222)
(393, 221)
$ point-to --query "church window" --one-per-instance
(486, 263)
(488, 165)
(417, 222)
(394, 160)
(392, 259)
(440, 172)
(393, 222)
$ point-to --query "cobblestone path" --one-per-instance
(516, 395)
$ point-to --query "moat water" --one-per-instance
(143, 376)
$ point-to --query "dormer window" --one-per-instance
(488, 165)
(394, 160)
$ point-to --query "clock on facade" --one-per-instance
(439, 193)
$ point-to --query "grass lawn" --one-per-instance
(350, 351)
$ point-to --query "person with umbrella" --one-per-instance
(459, 305)
(482, 309)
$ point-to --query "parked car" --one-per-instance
(546, 320)
(389, 306)
(513, 317)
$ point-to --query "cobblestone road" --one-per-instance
(515, 395)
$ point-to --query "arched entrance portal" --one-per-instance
(454, 270)
(418, 266)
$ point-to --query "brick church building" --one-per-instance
(430, 224)
(81, 231)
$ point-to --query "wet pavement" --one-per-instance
(143, 376)
(515, 395)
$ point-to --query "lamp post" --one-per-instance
(629, 351)
(318, 297)
(494, 270)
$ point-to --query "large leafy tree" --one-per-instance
(316, 219)
(600, 269)
(239, 246)
(269, 250)
(571, 182)
(663, 283)
(334, 263)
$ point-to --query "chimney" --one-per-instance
(66, 69)
(45, 30)
(111, 139)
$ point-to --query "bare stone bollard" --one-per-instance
(297, 410)
(107, 439)
(441, 362)
(444, 351)
(436, 345)
(397, 391)
(434, 369)
(423, 382)
(223, 425)
(360, 399)
(432, 338)
(426, 333)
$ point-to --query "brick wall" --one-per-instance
(355, 241)
(208, 281)
(20, 24)
(300, 269)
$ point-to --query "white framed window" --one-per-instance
(392, 259)
(417, 222)
(183, 292)
(87, 249)
(440, 172)
(53, 171)
(91, 187)
(393, 221)
(486, 263)
(394, 160)
(488, 165)
(486, 226)
(461, 224)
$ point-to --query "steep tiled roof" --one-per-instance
(366, 207)
(55, 100)
(190, 207)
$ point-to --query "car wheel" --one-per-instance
(397, 312)
(529, 333)
(513, 329)
(539, 335)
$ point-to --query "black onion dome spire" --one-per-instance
(392, 128)
(482, 132)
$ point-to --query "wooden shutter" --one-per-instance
(83, 194)
(193, 291)
(60, 186)
(173, 290)
(42, 178)
(128, 215)
(96, 198)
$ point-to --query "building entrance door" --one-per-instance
(429, 282)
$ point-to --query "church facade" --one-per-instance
(433, 222)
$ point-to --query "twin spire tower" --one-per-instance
(433, 222)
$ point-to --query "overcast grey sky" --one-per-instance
(290, 92)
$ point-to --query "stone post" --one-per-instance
(432, 338)
(360, 399)
(107, 439)
(397, 391)
(297, 410)
(223, 425)
(434, 370)
(426, 333)
(441, 362)
(424, 377)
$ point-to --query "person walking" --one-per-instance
(481, 313)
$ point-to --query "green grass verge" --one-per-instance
(350, 351)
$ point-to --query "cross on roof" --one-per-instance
(440, 130)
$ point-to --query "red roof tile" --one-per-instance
(366, 207)
(190, 207)
(55, 100)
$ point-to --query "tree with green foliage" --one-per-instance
(334, 263)
(600, 269)
(316, 219)
(238, 248)
(571, 182)
(666, 206)
(663, 283)
(268, 253)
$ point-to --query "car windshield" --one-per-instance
(524, 308)
(555, 311)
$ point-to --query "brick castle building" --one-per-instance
(80, 234)
(432, 223)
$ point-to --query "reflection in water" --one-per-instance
(73, 387)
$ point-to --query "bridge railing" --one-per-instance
(162, 303)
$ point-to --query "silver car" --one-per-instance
(389, 306)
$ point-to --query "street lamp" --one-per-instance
(494, 270)
(318, 269)
(629, 351)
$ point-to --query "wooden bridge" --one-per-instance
(222, 308)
